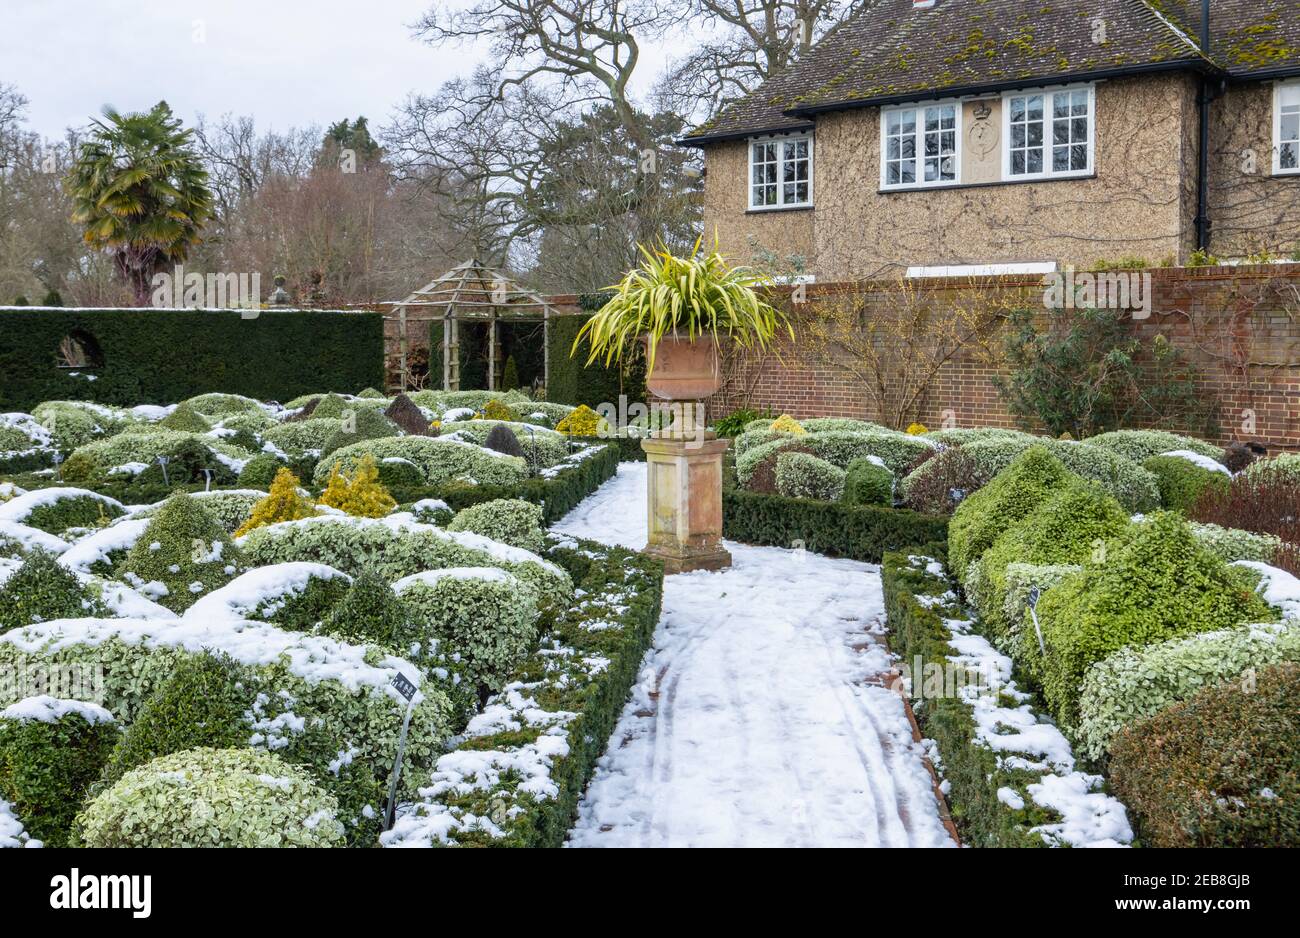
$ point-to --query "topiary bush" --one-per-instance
(503, 440)
(1231, 544)
(1217, 770)
(298, 437)
(285, 502)
(508, 520)
(186, 419)
(366, 423)
(1067, 527)
(538, 445)
(295, 596)
(1135, 683)
(137, 452)
(1153, 584)
(802, 475)
(786, 424)
(1141, 445)
(214, 798)
(1283, 468)
(825, 424)
(1012, 494)
(960, 436)
(583, 421)
(840, 447)
(231, 507)
(483, 615)
(223, 405)
(496, 410)
(72, 424)
(182, 554)
(1020, 581)
(42, 590)
(50, 752)
(437, 460)
(360, 494)
(1182, 482)
(868, 482)
(56, 509)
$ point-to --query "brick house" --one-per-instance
(929, 133)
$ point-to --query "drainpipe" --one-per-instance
(1203, 99)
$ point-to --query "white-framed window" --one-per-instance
(1286, 128)
(920, 146)
(781, 172)
(1048, 133)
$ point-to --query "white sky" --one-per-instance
(285, 62)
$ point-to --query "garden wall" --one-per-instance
(1240, 327)
(162, 356)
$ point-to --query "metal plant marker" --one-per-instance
(404, 686)
(1034, 593)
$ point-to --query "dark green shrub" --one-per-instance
(1011, 495)
(50, 753)
(866, 483)
(1182, 482)
(73, 511)
(1219, 769)
(370, 613)
(365, 423)
(259, 472)
(186, 418)
(1156, 582)
(186, 550)
(42, 590)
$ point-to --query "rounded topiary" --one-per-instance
(186, 418)
(365, 423)
(216, 404)
(508, 520)
(485, 616)
(1067, 528)
(184, 553)
(50, 752)
(42, 590)
(496, 410)
(370, 613)
(205, 702)
(1140, 445)
(259, 471)
(303, 436)
(801, 475)
(407, 414)
(786, 424)
(502, 439)
(1012, 494)
(582, 421)
(867, 481)
(285, 502)
(1217, 770)
(1182, 482)
(213, 798)
(1153, 583)
(55, 510)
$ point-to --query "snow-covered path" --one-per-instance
(753, 723)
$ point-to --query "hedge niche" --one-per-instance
(575, 382)
(129, 356)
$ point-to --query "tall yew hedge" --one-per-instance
(161, 356)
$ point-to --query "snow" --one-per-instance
(31, 538)
(431, 577)
(313, 658)
(151, 412)
(1278, 587)
(35, 431)
(18, 509)
(1200, 459)
(754, 722)
(242, 596)
(12, 833)
(46, 709)
(96, 548)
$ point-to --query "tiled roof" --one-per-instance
(892, 52)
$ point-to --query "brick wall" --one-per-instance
(1240, 326)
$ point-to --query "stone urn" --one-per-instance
(685, 370)
(685, 461)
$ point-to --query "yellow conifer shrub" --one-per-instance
(787, 424)
(582, 421)
(284, 503)
(495, 410)
(360, 494)
(916, 429)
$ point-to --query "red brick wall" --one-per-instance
(1240, 326)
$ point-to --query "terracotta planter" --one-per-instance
(685, 370)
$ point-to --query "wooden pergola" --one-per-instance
(472, 292)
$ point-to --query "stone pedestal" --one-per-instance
(685, 499)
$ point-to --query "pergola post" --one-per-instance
(446, 351)
(402, 344)
(492, 352)
(546, 349)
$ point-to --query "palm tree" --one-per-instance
(141, 192)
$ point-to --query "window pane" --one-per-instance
(1060, 105)
(891, 148)
(1034, 161)
(1017, 109)
(909, 171)
(1289, 95)
(1060, 159)
(1035, 107)
(909, 147)
(1290, 156)
(1018, 162)
(1079, 156)
(1017, 135)
(1035, 134)
(1291, 126)
(892, 177)
(1060, 132)
(1079, 102)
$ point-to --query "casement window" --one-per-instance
(1286, 128)
(1048, 133)
(780, 172)
(920, 146)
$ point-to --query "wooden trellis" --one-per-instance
(471, 291)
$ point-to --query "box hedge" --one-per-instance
(165, 355)
(859, 532)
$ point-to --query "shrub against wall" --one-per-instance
(575, 382)
(162, 356)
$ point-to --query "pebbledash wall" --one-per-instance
(1239, 325)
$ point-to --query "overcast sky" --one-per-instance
(285, 62)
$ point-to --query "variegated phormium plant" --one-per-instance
(697, 295)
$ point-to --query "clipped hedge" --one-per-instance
(1218, 770)
(573, 381)
(557, 712)
(1182, 482)
(162, 355)
(859, 532)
